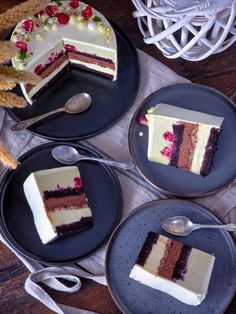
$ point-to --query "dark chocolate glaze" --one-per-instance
(178, 130)
(147, 247)
(63, 192)
(182, 263)
(84, 223)
(210, 151)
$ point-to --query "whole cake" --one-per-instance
(183, 138)
(174, 268)
(58, 202)
(65, 32)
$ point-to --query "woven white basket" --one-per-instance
(192, 30)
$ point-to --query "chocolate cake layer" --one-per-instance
(178, 130)
(187, 146)
(84, 223)
(147, 247)
(182, 263)
(210, 151)
(62, 193)
(48, 69)
(171, 256)
(91, 59)
(52, 204)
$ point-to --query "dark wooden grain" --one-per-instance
(218, 71)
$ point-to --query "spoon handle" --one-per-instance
(229, 227)
(21, 125)
(123, 165)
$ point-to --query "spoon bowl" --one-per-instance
(78, 103)
(178, 225)
(68, 155)
(183, 226)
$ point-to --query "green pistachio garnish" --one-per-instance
(97, 19)
(22, 55)
(58, 2)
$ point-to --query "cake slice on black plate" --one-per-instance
(173, 267)
(58, 202)
(183, 138)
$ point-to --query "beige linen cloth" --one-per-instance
(136, 191)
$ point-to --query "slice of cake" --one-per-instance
(183, 138)
(65, 32)
(174, 268)
(58, 202)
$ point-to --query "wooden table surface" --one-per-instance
(218, 71)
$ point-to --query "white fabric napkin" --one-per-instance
(113, 144)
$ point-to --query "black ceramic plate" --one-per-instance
(110, 100)
(177, 181)
(127, 240)
(104, 195)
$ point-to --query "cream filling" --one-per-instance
(199, 269)
(66, 216)
(199, 152)
(94, 67)
(157, 253)
(52, 179)
(47, 79)
(157, 126)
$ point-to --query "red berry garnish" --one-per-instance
(87, 12)
(142, 119)
(51, 10)
(22, 46)
(28, 25)
(74, 4)
(167, 151)
(78, 182)
(63, 18)
(169, 136)
(70, 48)
(38, 69)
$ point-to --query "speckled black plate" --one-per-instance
(110, 100)
(105, 199)
(177, 181)
(127, 240)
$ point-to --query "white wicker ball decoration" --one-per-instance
(192, 30)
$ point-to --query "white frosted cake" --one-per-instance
(183, 138)
(174, 268)
(64, 33)
(58, 202)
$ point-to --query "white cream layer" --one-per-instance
(157, 126)
(94, 67)
(66, 216)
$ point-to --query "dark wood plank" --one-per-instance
(218, 71)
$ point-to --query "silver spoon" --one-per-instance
(182, 226)
(76, 104)
(69, 155)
